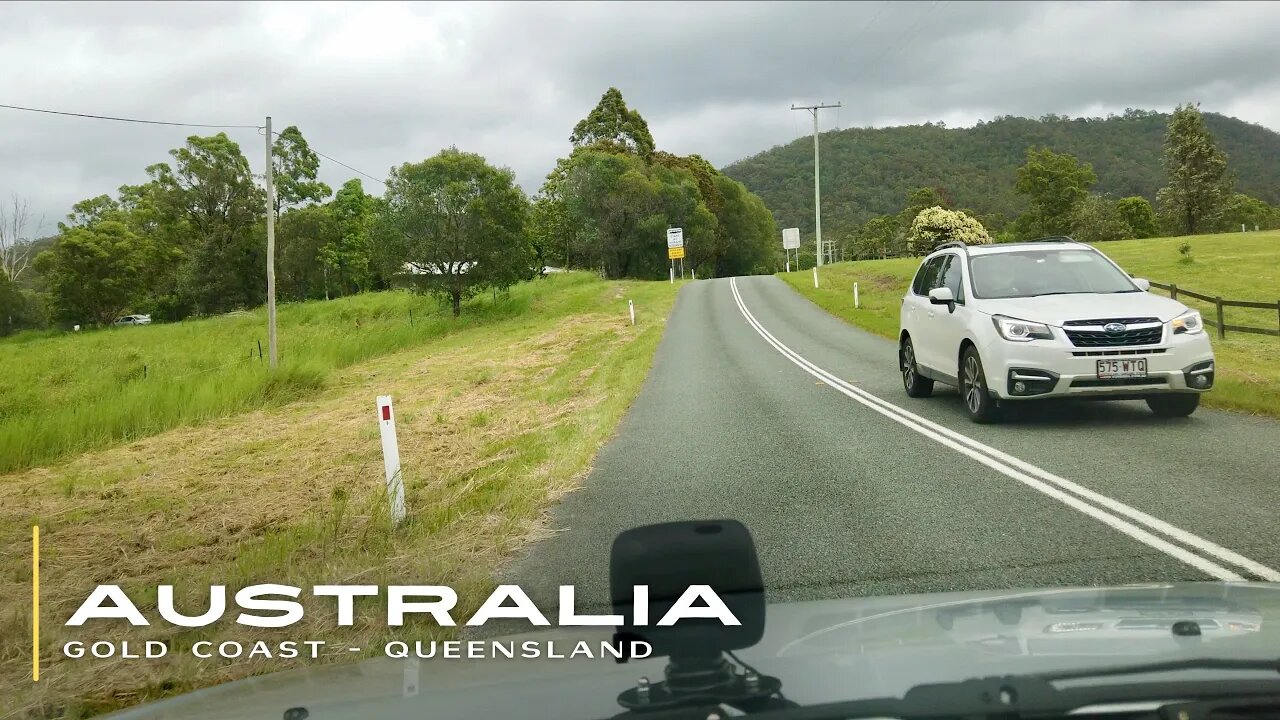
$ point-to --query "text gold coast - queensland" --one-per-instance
(281, 606)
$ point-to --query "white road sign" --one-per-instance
(675, 237)
(791, 238)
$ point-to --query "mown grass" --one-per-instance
(1236, 266)
(496, 421)
(64, 394)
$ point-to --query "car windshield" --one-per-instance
(1058, 271)
(789, 351)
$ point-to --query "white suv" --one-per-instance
(1044, 319)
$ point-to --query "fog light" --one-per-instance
(1021, 387)
(1201, 381)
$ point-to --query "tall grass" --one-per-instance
(70, 393)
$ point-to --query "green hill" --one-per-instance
(868, 171)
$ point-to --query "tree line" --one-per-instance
(190, 241)
(1060, 198)
(869, 172)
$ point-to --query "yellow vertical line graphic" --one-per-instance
(35, 603)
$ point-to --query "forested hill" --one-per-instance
(868, 172)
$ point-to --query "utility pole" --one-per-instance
(271, 254)
(817, 202)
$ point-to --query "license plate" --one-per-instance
(1135, 368)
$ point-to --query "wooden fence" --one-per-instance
(1219, 321)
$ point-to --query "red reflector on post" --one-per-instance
(386, 412)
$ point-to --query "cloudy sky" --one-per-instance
(374, 85)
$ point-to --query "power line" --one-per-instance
(123, 119)
(181, 124)
(326, 157)
(333, 159)
(899, 43)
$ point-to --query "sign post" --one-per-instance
(791, 241)
(675, 250)
(391, 458)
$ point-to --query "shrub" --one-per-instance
(934, 226)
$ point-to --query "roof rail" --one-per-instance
(1055, 238)
(953, 243)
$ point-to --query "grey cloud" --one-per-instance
(378, 85)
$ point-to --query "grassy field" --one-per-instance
(497, 418)
(1237, 266)
(65, 394)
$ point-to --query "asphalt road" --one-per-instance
(763, 408)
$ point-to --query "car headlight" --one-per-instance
(1020, 330)
(1188, 323)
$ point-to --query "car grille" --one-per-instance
(1099, 353)
(1117, 382)
(1089, 333)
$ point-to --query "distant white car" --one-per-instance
(1044, 319)
(134, 320)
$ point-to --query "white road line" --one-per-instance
(1032, 476)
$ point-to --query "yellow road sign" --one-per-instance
(675, 253)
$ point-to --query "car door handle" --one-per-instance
(930, 313)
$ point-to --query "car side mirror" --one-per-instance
(1142, 283)
(941, 296)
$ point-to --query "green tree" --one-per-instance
(87, 212)
(348, 257)
(1199, 184)
(935, 226)
(877, 237)
(301, 238)
(94, 273)
(612, 126)
(294, 169)
(20, 309)
(210, 193)
(1240, 209)
(1098, 219)
(454, 225)
(1137, 213)
(1055, 184)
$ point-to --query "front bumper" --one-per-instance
(1055, 368)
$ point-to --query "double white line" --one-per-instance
(1113, 513)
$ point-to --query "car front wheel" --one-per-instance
(1180, 405)
(979, 403)
(916, 385)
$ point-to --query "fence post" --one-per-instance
(259, 349)
(1222, 324)
(1173, 291)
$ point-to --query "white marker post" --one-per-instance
(855, 296)
(815, 277)
(632, 307)
(391, 458)
(673, 274)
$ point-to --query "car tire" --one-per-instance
(1179, 405)
(916, 385)
(981, 405)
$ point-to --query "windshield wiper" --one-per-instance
(1034, 696)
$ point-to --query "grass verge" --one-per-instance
(1237, 266)
(66, 393)
(496, 421)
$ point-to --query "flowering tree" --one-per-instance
(934, 226)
